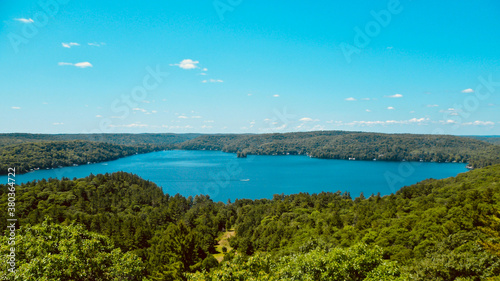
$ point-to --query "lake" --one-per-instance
(223, 176)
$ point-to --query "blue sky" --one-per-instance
(250, 66)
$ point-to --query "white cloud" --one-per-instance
(390, 108)
(133, 125)
(83, 64)
(467, 91)
(15, 107)
(139, 109)
(187, 64)
(389, 48)
(432, 105)
(204, 69)
(79, 64)
(350, 99)
(417, 121)
(307, 119)
(368, 110)
(23, 20)
(98, 116)
(182, 117)
(395, 96)
(276, 96)
(70, 44)
(365, 99)
(96, 44)
(56, 124)
(479, 123)
(196, 117)
(212, 81)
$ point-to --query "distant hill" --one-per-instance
(121, 139)
(490, 139)
(354, 145)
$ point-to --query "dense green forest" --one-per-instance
(358, 145)
(434, 230)
(121, 139)
(52, 154)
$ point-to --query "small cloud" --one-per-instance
(133, 125)
(23, 20)
(98, 116)
(187, 64)
(365, 99)
(307, 119)
(368, 110)
(468, 91)
(196, 117)
(182, 117)
(83, 64)
(204, 69)
(276, 96)
(139, 109)
(479, 123)
(69, 45)
(390, 108)
(96, 44)
(249, 95)
(79, 64)
(16, 107)
(350, 99)
(389, 48)
(395, 96)
(432, 105)
(56, 124)
(212, 81)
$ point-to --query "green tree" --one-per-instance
(55, 252)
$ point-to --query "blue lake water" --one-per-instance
(223, 176)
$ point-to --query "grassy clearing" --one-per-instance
(224, 242)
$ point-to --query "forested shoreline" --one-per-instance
(30, 156)
(31, 151)
(434, 230)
